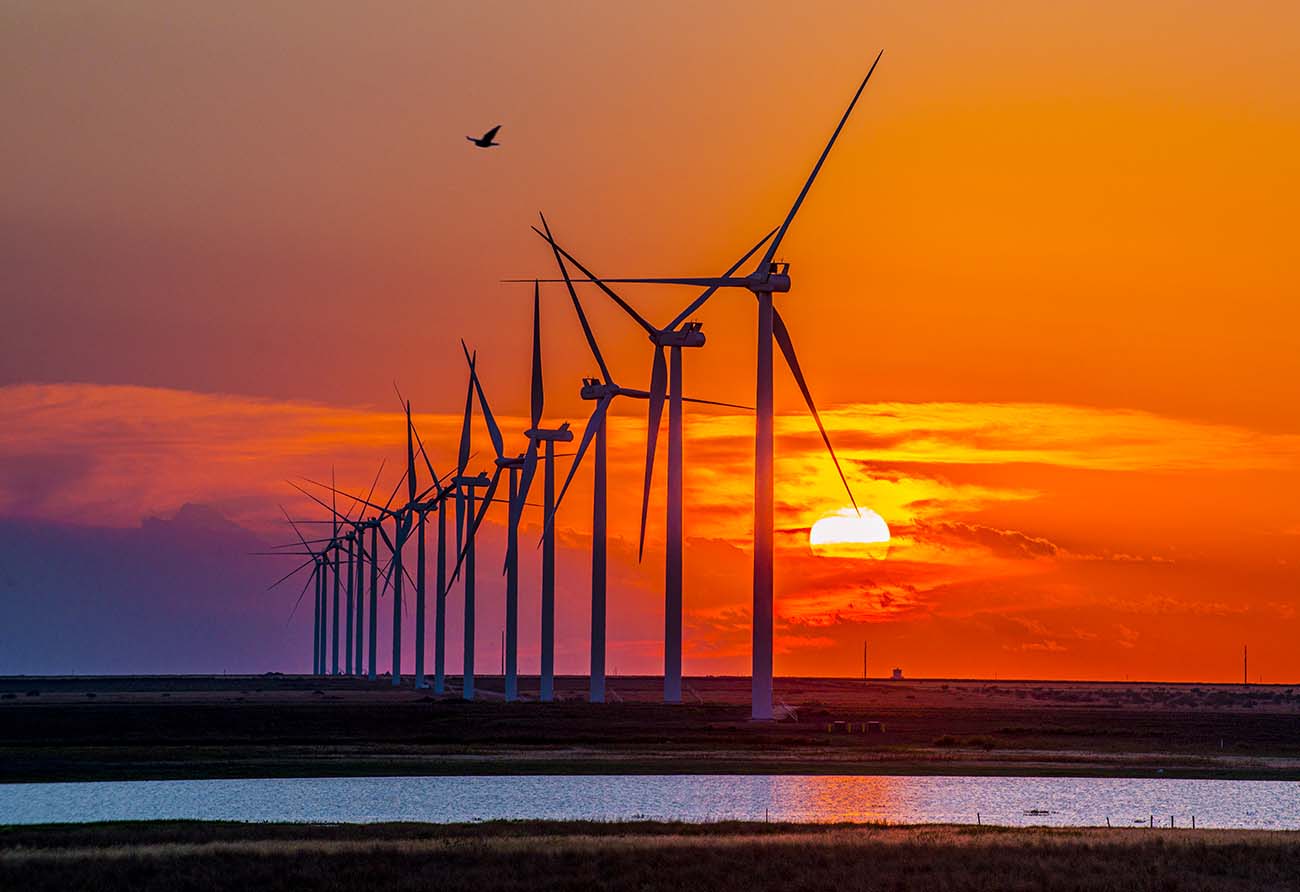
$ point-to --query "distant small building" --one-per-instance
(897, 675)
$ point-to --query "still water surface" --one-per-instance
(998, 800)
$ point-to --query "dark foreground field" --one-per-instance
(577, 856)
(263, 726)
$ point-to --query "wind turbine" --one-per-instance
(768, 278)
(422, 507)
(465, 486)
(376, 528)
(401, 521)
(516, 502)
(526, 467)
(440, 596)
(417, 511)
(335, 626)
(665, 384)
(316, 580)
(550, 436)
(512, 464)
(356, 580)
(602, 391)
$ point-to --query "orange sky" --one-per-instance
(1045, 289)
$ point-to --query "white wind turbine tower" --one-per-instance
(602, 391)
(768, 278)
(522, 470)
(514, 464)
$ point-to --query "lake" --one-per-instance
(1013, 801)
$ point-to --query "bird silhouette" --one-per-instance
(485, 140)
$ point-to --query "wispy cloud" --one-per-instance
(993, 509)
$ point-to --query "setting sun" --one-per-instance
(848, 532)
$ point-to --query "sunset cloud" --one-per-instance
(968, 540)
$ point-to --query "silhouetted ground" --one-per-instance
(231, 726)
(586, 856)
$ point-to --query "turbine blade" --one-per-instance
(392, 495)
(469, 411)
(591, 277)
(296, 531)
(460, 519)
(494, 432)
(475, 522)
(789, 218)
(436, 486)
(324, 504)
(375, 482)
(311, 577)
(341, 492)
(645, 394)
(383, 534)
(292, 572)
(593, 425)
(487, 499)
(538, 394)
(410, 458)
(577, 306)
(697, 281)
(782, 336)
(306, 542)
(525, 481)
(699, 301)
(658, 391)
(688, 399)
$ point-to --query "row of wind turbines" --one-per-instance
(348, 564)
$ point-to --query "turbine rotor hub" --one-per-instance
(558, 435)
(689, 335)
(775, 279)
(595, 389)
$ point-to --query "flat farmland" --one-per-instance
(85, 728)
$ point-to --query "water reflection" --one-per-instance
(855, 799)
(998, 800)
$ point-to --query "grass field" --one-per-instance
(260, 726)
(582, 856)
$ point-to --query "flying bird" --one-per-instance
(485, 140)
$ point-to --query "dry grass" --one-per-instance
(572, 856)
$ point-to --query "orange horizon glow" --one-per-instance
(1000, 561)
(1044, 293)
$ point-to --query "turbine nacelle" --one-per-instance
(596, 389)
(689, 335)
(514, 461)
(561, 434)
(479, 480)
(775, 279)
